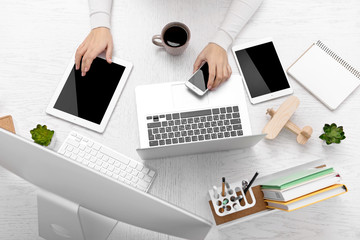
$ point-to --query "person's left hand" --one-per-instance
(219, 68)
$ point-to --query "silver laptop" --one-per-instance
(174, 121)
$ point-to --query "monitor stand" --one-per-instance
(61, 219)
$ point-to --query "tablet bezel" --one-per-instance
(268, 96)
(110, 108)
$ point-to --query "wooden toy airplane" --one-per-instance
(281, 118)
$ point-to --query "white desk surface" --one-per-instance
(37, 39)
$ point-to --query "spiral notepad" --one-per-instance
(325, 74)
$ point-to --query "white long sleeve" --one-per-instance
(239, 12)
(100, 12)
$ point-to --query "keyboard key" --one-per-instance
(156, 118)
(151, 173)
(220, 135)
(164, 136)
(96, 147)
(195, 113)
(162, 116)
(174, 141)
(181, 140)
(222, 129)
(69, 148)
(177, 134)
(210, 130)
(227, 134)
(201, 137)
(147, 178)
(216, 117)
(223, 110)
(162, 130)
(155, 130)
(236, 115)
(133, 164)
(168, 129)
(215, 111)
(196, 120)
(194, 138)
(237, 127)
(236, 108)
(168, 117)
(145, 170)
(187, 139)
(216, 129)
(177, 122)
(164, 124)
(226, 122)
(190, 132)
(157, 136)
(176, 116)
(194, 126)
(175, 128)
(209, 118)
(203, 131)
(171, 135)
(143, 183)
(154, 125)
(171, 123)
(190, 120)
(228, 128)
(239, 133)
(148, 117)
(229, 109)
(184, 121)
(168, 141)
(222, 116)
(202, 119)
(162, 142)
(151, 137)
(141, 175)
(197, 132)
(235, 121)
(153, 143)
(220, 123)
(228, 116)
(207, 136)
(213, 136)
(183, 133)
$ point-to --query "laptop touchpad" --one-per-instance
(185, 98)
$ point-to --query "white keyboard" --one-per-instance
(108, 162)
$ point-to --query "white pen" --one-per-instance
(216, 194)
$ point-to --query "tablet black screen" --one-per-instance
(88, 97)
(262, 69)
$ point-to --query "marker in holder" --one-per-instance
(233, 201)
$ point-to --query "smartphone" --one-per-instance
(199, 80)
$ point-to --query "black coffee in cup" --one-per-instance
(175, 36)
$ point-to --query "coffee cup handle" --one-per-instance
(156, 39)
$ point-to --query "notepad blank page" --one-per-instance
(324, 77)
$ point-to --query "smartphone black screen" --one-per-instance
(201, 77)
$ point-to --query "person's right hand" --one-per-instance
(98, 40)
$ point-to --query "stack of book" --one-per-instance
(302, 188)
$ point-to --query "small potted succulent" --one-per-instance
(332, 134)
(43, 136)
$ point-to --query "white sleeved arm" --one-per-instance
(237, 16)
(100, 13)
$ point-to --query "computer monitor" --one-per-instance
(62, 177)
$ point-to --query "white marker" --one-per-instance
(216, 194)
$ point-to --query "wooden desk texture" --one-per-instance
(37, 39)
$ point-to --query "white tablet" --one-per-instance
(89, 101)
(261, 69)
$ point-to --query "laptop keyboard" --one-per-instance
(194, 126)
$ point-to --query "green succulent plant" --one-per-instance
(332, 134)
(41, 135)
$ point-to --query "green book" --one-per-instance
(296, 178)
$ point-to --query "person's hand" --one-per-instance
(98, 40)
(219, 68)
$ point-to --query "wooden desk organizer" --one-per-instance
(257, 205)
